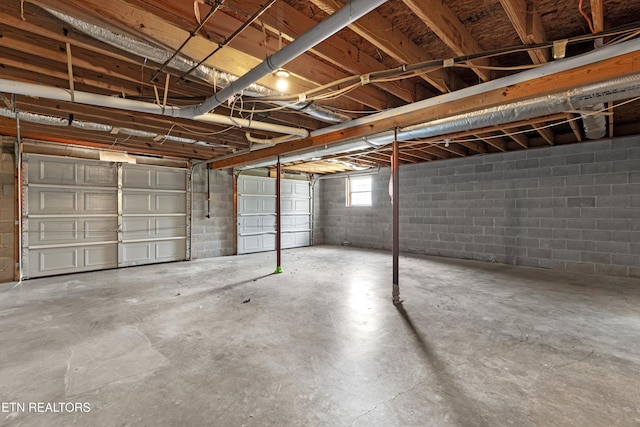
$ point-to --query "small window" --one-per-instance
(359, 191)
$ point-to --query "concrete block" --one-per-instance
(565, 170)
(580, 158)
(634, 271)
(596, 168)
(624, 189)
(527, 164)
(612, 270)
(613, 247)
(580, 267)
(613, 224)
(626, 260)
(596, 190)
(613, 178)
(566, 191)
(596, 258)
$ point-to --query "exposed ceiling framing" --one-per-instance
(402, 53)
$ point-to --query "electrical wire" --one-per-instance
(586, 17)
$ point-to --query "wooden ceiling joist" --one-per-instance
(528, 24)
(379, 31)
(443, 22)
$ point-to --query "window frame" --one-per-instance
(350, 191)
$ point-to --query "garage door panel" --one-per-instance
(169, 203)
(139, 253)
(156, 178)
(257, 224)
(257, 205)
(153, 203)
(66, 171)
(51, 231)
(295, 222)
(153, 227)
(53, 201)
(51, 261)
(257, 208)
(257, 243)
(136, 177)
(136, 203)
(295, 240)
(70, 201)
(99, 202)
(72, 215)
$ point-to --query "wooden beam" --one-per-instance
(377, 30)
(490, 138)
(340, 53)
(527, 23)
(474, 146)
(520, 138)
(615, 67)
(597, 15)
(610, 106)
(70, 71)
(446, 25)
(546, 133)
(577, 131)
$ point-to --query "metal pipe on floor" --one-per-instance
(278, 220)
(395, 173)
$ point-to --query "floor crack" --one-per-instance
(400, 393)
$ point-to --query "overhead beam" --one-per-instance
(527, 23)
(577, 131)
(492, 139)
(381, 33)
(597, 15)
(446, 25)
(546, 133)
(615, 67)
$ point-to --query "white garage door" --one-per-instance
(82, 215)
(257, 214)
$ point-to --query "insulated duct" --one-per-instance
(585, 98)
(183, 64)
(594, 122)
(91, 126)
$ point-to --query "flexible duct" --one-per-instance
(181, 63)
(91, 126)
(594, 122)
(34, 118)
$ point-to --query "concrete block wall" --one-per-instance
(7, 206)
(214, 236)
(572, 207)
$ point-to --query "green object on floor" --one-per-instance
(278, 270)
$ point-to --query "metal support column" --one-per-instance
(395, 173)
(278, 219)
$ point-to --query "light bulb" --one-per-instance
(282, 84)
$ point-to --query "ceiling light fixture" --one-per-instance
(282, 84)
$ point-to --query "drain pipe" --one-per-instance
(339, 20)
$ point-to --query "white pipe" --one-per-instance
(48, 92)
(339, 20)
(182, 63)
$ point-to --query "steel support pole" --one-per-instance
(278, 220)
(395, 171)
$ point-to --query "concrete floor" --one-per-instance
(221, 342)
